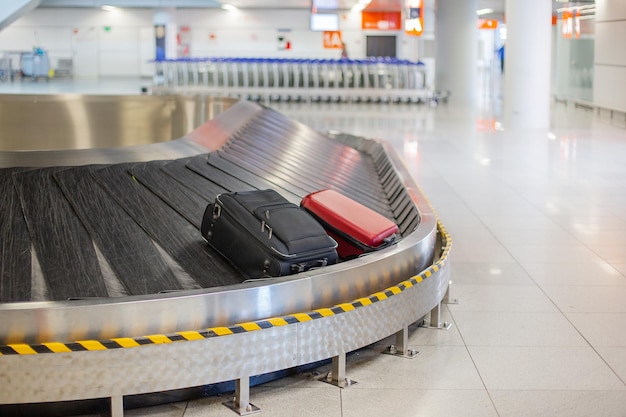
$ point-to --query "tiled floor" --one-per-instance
(538, 220)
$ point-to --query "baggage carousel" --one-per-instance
(107, 289)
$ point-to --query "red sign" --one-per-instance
(487, 24)
(332, 39)
(414, 21)
(381, 20)
(571, 24)
(414, 27)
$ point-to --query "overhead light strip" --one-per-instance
(481, 12)
(360, 6)
(229, 7)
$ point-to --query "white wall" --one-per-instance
(80, 34)
(609, 81)
(125, 49)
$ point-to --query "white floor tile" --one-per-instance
(516, 329)
(275, 402)
(601, 329)
(534, 253)
(591, 224)
(543, 368)
(496, 298)
(488, 273)
(588, 299)
(520, 222)
(460, 220)
(469, 252)
(471, 236)
(437, 367)
(165, 410)
(559, 403)
(401, 402)
(499, 206)
(620, 266)
(540, 237)
(575, 274)
(610, 253)
(422, 336)
(616, 359)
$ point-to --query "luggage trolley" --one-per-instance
(236, 77)
(316, 79)
(299, 72)
(275, 79)
(285, 78)
(35, 64)
(335, 77)
(253, 67)
(347, 79)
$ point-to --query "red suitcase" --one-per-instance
(356, 228)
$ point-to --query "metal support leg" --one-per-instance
(435, 320)
(337, 376)
(241, 401)
(447, 299)
(401, 348)
(117, 406)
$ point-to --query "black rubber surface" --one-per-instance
(134, 259)
(63, 246)
(175, 234)
(15, 267)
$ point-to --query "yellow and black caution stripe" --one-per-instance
(131, 342)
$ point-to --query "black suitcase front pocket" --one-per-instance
(298, 230)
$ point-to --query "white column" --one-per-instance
(167, 18)
(457, 48)
(527, 59)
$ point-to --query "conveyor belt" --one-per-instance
(133, 228)
(119, 229)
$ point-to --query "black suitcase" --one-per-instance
(262, 234)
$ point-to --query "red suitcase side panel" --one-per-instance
(350, 217)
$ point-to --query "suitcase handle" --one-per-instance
(266, 226)
(301, 267)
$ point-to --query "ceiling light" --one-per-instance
(229, 7)
(362, 4)
(481, 12)
(586, 8)
(109, 8)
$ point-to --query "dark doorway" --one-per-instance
(381, 46)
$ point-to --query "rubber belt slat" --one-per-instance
(131, 255)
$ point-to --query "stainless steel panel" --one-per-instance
(72, 121)
(154, 368)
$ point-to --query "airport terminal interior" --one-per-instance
(535, 318)
(538, 225)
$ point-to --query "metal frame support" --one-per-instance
(117, 406)
(435, 320)
(337, 376)
(401, 348)
(240, 403)
(446, 297)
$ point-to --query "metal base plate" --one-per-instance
(443, 326)
(346, 383)
(409, 354)
(242, 411)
